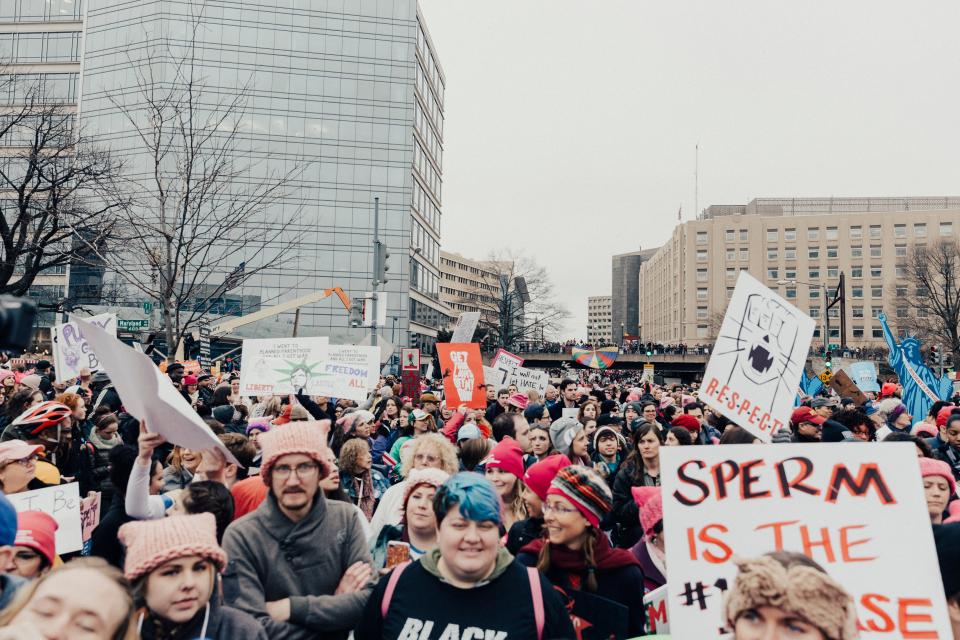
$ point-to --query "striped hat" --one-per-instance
(585, 490)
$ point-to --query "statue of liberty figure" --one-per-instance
(921, 388)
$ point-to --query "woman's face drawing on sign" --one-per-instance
(299, 378)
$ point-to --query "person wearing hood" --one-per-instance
(173, 564)
(896, 418)
(576, 556)
(536, 479)
(650, 551)
(468, 582)
(570, 439)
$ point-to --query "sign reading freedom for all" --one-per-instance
(755, 369)
(349, 371)
(280, 366)
(848, 507)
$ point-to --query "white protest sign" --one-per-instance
(465, 327)
(150, 396)
(494, 377)
(648, 373)
(525, 379)
(755, 369)
(62, 502)
(505, 362)
(279, 366)
(655, 602)
(847, 507)
(349, 371)
(71, 352)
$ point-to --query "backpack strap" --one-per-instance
(536, 592)
(391, 585)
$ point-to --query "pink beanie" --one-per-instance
(650, 502)
(308, 438)
(666, 401)
(507, 456)
(420, 477)
(151, 543)
(540, 474)
(932, 467)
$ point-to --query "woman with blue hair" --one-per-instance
(467, 582)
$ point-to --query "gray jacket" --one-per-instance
(272, 558)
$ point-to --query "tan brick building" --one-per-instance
(685, 286)
(471, 285)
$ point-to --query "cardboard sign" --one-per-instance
(348, 371)
(843, 385)
(525, 379)
(505, 362)
(864, 375)
(465, 328)
(63, 504)
(461, 367)
(497, 378)
(847, 507)
(658, 618)
(89, 515)
(71, 352)
(150, 396)
(648, 372)
(755, 369)
(410, 359)
(280, 366)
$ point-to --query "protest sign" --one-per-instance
(348, 371)
(150, 396)
(461, 367)
(847, 507)
(466, 326)
(648, 372)
(497, 378)
(572, 412)
(89, 515)
(410, 384)
(505, 362)
(843, 385)
(658, 619)
(525, 379)
(62, 502)
(864, 375)
(278, 366)
(755, 369)
(71, 352)
(410, 359)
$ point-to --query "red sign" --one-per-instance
(461, 367)
(410, 382)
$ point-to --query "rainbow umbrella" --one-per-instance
(595, 358)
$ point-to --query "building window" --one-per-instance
(816, 332)
(856, 233)
(856, 252)
(875, 312)
(900, 251)
(876, 271)
(923, 292)
(790, 274)
(790, 253)
(899, 231)
(814, 292)
(813, 274)
(731, 274)
(876, 292)
(813, 234)
(701, 237)
(832, 233)
(731, 254)
(773, 274)
(701, 256)
(921, 312)
(876, 232)
(790, 235)
(701, 331)
(701, 313)
(814, 312)
(876, 251)
(773, 235)
(729, 235)
(744, 254)
(920, 230)
(856, 272)
(813, 253)
(858, 332)
(877, 333)
(772, 254)
(833, 272)
(701, 275)
(832, 252)
(901, 291)
(791, 293)
(858, 312)
(744, 235)
(901, 271)
(856, 292)
(729, 292)
(701, 294)
(946, 228)
(902, 312)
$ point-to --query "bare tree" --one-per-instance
(46, 178)
(196, 204)
(933, 295)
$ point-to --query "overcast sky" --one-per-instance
(571, 124)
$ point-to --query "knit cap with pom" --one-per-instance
(585, 489)
(152, 543)
(307, 438)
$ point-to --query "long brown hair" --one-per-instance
(589, 550)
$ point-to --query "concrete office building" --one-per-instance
(811, 241)
(599, 333)
(471, 285)
(625, 294)
(351, 92)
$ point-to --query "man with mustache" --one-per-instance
(286, 557)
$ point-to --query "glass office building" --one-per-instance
(347, 93)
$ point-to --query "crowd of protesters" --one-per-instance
(396, 517)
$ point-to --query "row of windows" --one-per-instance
(431, 106)
(36, 11)
(489, 300)
(459, 266)
(426, 170)
(430, 138)
(830, 233)
(813, 253)
(26, 48)
(425, 206)
(424, 280)
(432, 71)
(475, 284)
(429, 247)
(53, 87)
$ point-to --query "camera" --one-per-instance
(16, 323)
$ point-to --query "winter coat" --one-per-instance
(522, 533)
(224, 623)
(625, 512)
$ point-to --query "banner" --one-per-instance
(347, 371)
(150, 396)
(655, 602)
(71, 352)
(525, 379)
(465, 328)
(847, 507)
(279, 366)
(755, 369)
(62, 502)
(864, 375)
(461, 367)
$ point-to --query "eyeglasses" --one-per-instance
(303, 470)
(557, 509)
(26, 462)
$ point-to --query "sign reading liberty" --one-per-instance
(921, 387)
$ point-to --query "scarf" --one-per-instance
(363, 489)
(101, 443)
(606, 558)
(657, 557)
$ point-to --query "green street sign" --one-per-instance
(132, 325)
(147, 306)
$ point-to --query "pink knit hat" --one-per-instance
(507, 456)
(932, 467)
(308, 438)
(420, 477)
(151, 543)
(650, 502)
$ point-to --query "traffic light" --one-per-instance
(356, 313)
(380, 255)
(934, 355)
(649, 353)
(828, 363)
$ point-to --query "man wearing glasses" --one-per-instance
(285, 558)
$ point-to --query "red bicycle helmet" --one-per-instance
(42, 416)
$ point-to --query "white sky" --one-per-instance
(571, 124)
